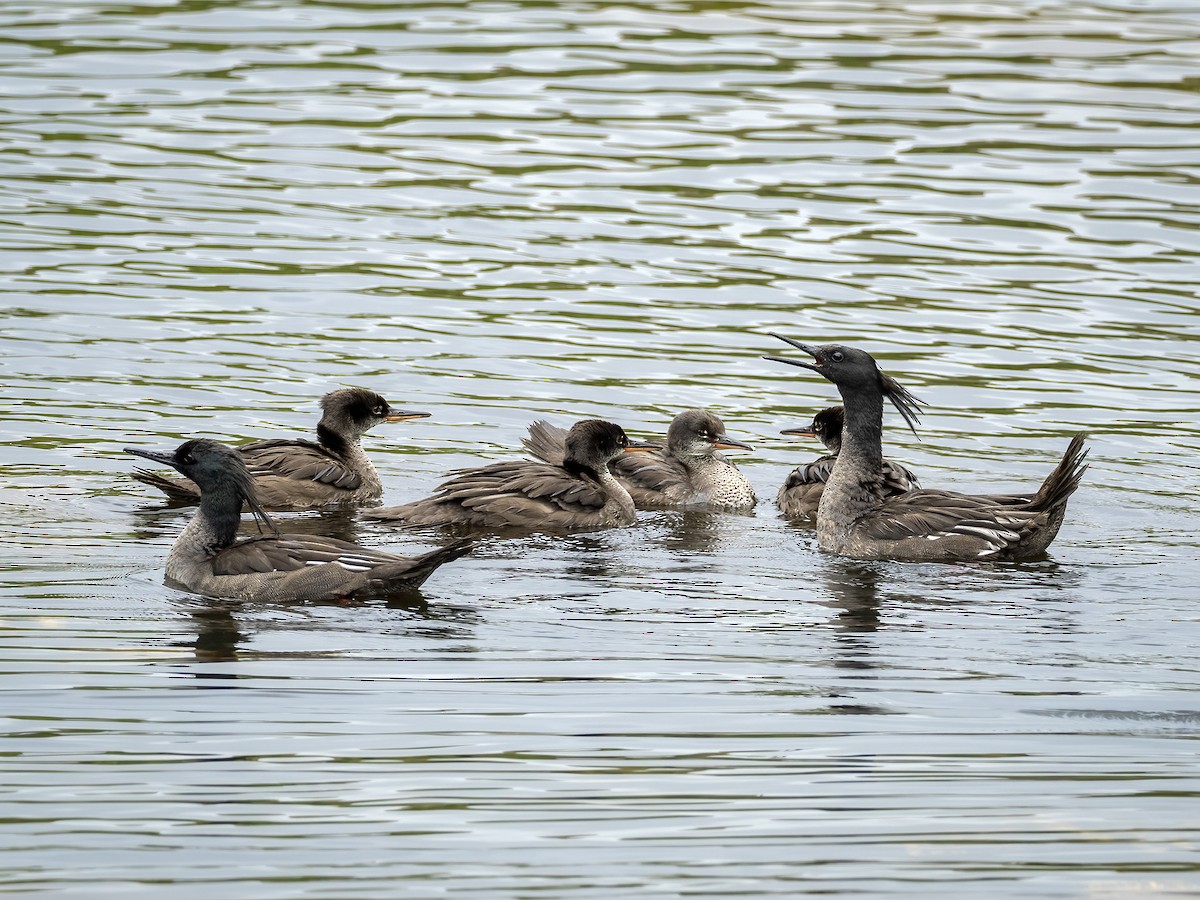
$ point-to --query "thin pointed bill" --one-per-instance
(787, 340)
(725, 442)
(807, 348)
(805, 431)
(158, 456)
(404, 415)
(641, 447)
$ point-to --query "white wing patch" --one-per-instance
(349, 563)
(997, 538)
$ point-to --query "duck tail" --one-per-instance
(547, 442)
(413, 572)
(1062, 482)
(178, 490)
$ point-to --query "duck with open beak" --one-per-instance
(855, 518)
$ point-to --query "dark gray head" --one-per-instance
(854, 371)
(697, 432)
(218, 471)
(826, 427)
(355, 411)
(591, 443)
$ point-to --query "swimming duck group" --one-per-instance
(590, 477)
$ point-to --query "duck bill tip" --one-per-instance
(799, 345)
(154, 455)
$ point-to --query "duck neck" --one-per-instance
(848, 495)
(862, 435)
(717, 481)
(335, 441)
(617, 494)
(215, 526)
(348, 448)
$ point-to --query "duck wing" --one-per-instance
(539, 483)
(297, 567)
(898, 478)
(299, 459)
(801, 491)
(289, 552)
(547, 442)
(653, 479)
(519, 493)
(178, 490)
(815, 472)
(934, 515)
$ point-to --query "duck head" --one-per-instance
(217, 470)
(592, 443)
(697, 432)
(355, 411)
(854, 371)
(826, 427)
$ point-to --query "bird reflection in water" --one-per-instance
(692, 531)
(217, 636)
(854, 590)
(220, 637)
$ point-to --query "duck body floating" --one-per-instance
(207, 557)
(293, 474)
(920, 525)
(577, 494)
(688, 473)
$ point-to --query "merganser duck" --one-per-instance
(801, 492)
(689, 472)
(208, 559)
(920, 525)
(294, 474)
(580, 494)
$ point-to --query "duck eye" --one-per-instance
(837, 355)
(379, 410)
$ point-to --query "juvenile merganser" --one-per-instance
(580, 494)
(302, 474)
(690, 472)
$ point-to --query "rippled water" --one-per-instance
(212, 213)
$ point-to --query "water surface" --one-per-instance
(211, 214)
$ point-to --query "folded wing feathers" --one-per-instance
(547, 442)
(899, 477)
(934, 514)
(505, 484)
(302, 460)
(653, 471)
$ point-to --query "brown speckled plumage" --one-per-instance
(689, 472)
